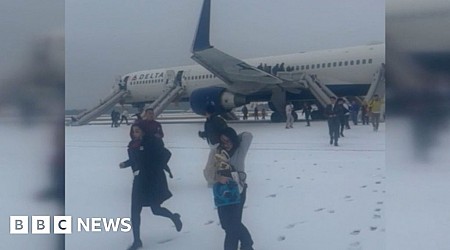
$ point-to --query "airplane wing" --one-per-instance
(230, 69)
(236, 73)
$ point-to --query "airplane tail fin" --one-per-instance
(201, 40)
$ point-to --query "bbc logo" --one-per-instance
(40, 224)
(63, 224)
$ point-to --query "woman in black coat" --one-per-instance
(147, 160)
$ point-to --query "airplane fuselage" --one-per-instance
(350, 66)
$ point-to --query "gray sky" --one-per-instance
(106, 38)
(22, 24)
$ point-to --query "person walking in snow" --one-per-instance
(230, 170)
(289, 116)
(147, 160)
(212, 126)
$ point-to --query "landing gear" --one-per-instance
(317, 115)
(277, 117)
(294, 114)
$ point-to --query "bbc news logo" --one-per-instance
(63, 225)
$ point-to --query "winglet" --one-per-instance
(201, 40)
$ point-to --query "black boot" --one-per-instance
(177, 221)
(331, 141)
(136, 245)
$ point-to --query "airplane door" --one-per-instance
(125, 82)
(184, 78)
(179, 78)
(170, 78)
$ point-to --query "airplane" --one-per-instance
(228, 82)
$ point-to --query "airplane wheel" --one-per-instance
(294, 114)
(277, 117)
(316, 115)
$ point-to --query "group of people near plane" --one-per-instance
(245, 113)
(225, 173)
(117, 118)
(224, 170)
(338, 113)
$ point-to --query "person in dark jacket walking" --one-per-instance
(150, 125)
(307, 112)
(245, 112)
(115, 116)
(343, 116)
(150, 189)
(213, 125)
(354, 110)
(333, 111)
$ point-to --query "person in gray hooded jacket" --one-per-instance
(231, 154)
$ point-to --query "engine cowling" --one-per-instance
(222, 99)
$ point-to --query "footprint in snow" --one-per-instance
(355, 232)
(281, 238)
(354, 246)
(331, 211)
(164, 241)
(290, 226)
(373, 228)
(377, 210)
(319, 209)
(348, 198)
(379, 202)
(294, 224)
(271, 196)
(209, 222)
(364, 186)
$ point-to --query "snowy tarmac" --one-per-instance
(303, 193)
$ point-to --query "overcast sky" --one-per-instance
(22, 24)
(107, 38)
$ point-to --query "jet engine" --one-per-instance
(222, 99)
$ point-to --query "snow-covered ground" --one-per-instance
(26, 154)
(303, 193)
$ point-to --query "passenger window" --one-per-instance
(351, 62)
(340, 64)
(346, 63)
(370, 60)
(357, 62)
(334, 64)
(364, 61)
